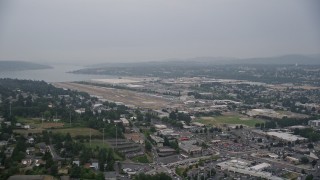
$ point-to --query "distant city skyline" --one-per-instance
(87, 32)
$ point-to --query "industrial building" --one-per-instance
(285, 136)
(243, 167)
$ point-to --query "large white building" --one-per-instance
(285, 136)
(314, 123)
(242, 167)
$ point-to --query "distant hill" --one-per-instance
(21, 65)
(204, 61)
(286, 59)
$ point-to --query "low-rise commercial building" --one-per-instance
(125, 122)
(157, 140)
(314, 123)
(189, 147)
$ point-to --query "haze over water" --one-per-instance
(57, 74)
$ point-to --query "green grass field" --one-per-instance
(290, 175)
(28, 120)
(229, 119)
(97, 143)
(26, 132)
(142, 159)
(77, 131)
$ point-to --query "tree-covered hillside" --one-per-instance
(20, 65)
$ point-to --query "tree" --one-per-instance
(54, 170)
(102, 158)
(47, 115)
(148, 117)
(309, 177)
(46, 137)
(304, 160)
(313, 163)
(205, 130)
(48, 158)
(110, 161)
(19, 151)
(257, 125)
(174, 145)
(166, 141)
(153, 129)
(75, 171)
(100, 176)
(310, 146)
(213, 172)
(85, 156)
(173, 115)
(270, 125)
(148, 146)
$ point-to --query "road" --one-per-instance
(54, 154)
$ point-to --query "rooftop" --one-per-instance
(285, 136)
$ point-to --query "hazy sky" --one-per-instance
(93, 31)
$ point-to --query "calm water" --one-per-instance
(57, 74)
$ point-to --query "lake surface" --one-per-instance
(57, 74)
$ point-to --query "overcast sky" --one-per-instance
(94, 31)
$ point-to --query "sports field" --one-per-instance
(73, 131)
(77, 131)
(97, 143)
(229, 119)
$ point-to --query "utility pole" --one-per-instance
(116, 136)
(42, 120)
(90, 137)
(70, 117)
(103, 136)
(10, 108)
(211, 166)
(198, 175)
